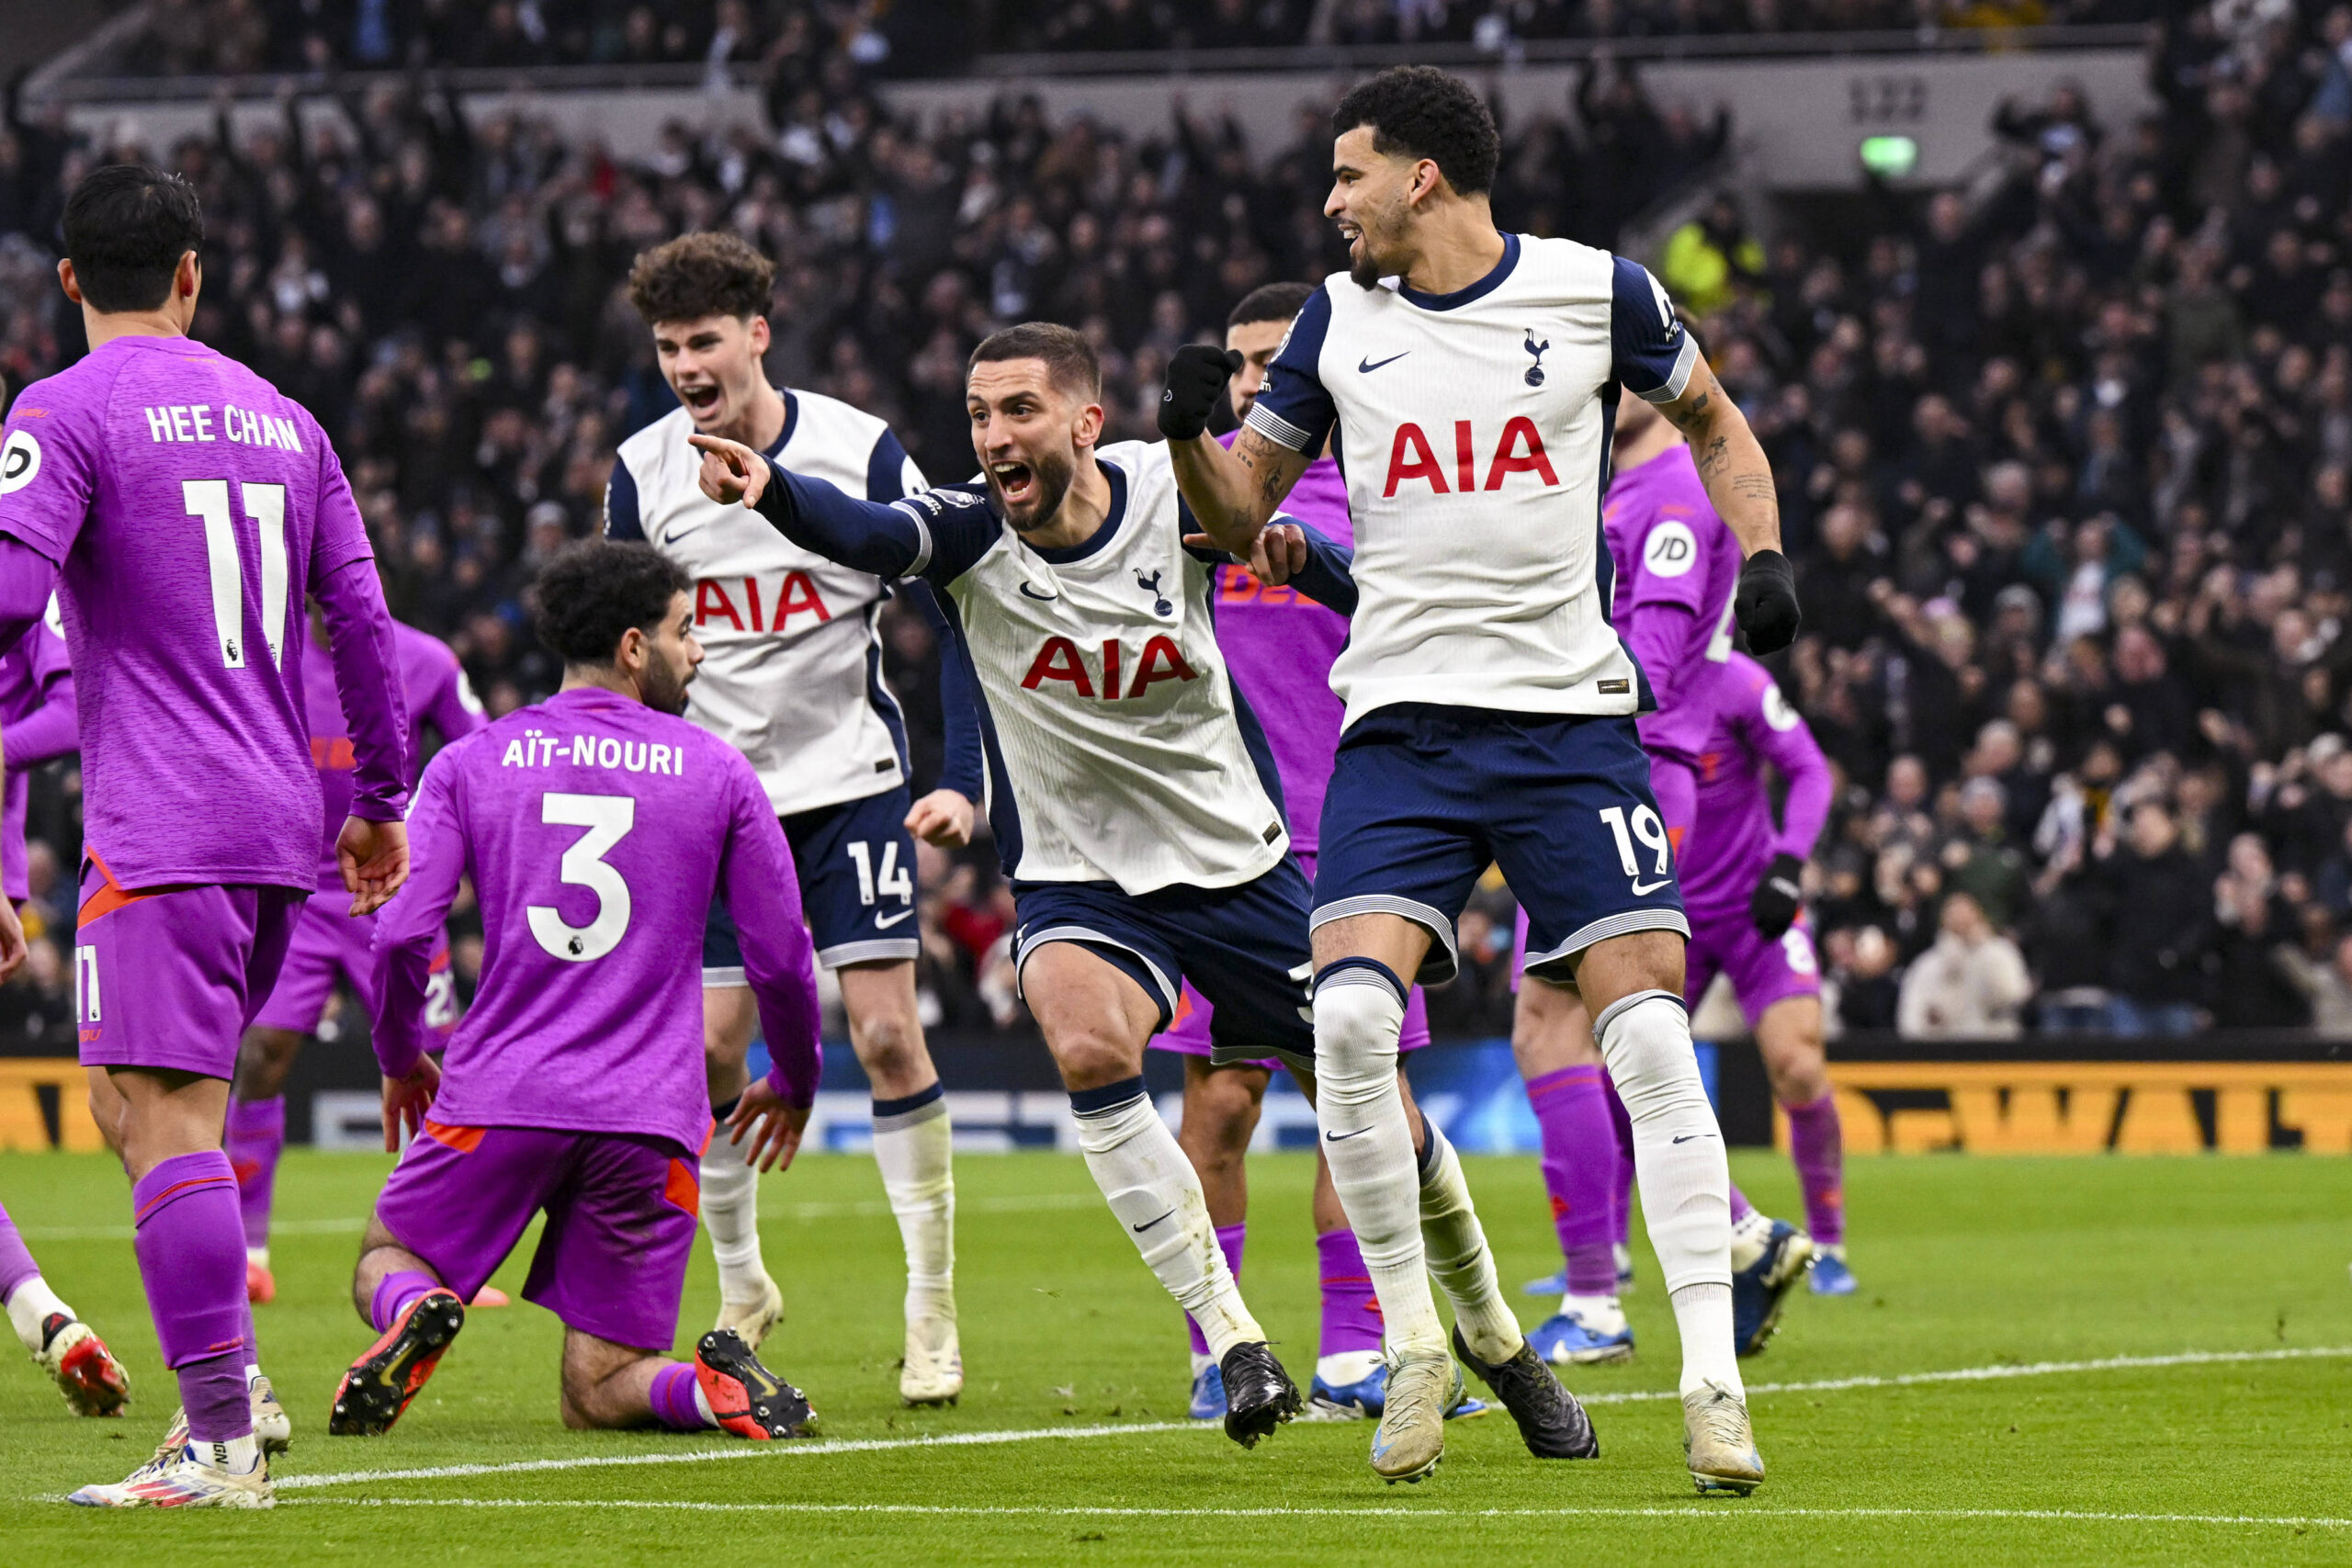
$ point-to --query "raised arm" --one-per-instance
(1234, 493)
(883, 538)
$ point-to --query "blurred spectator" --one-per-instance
(2159, 927)
(1972, 984)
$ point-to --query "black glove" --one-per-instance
(1773, 906)
(1196, 378)
(1765, 604)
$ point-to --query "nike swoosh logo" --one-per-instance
(669, 539)
(884, 922)
(1043, 598)
(1343, 1137)
(1642, 889)
(1366, 367)
(1688, 1136)
(1148, 1223)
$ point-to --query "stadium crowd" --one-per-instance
(2067, 471)
(922, 36)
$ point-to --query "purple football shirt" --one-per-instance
(190, 507)
(1733, 840)
(434, 684)
(1279, 644)
(1677, 564)
(38, 719)
(596, 831)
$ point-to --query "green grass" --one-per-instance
(1964, 1264)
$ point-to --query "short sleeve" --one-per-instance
(1651, 352)
(1292, 409)
(49, 473)
(621, 520)
(890, 474)
(339, 534)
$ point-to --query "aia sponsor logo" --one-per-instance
(745, 606)
(1412, 458)
(1059, 660)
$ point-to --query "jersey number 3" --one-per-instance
(608, 818)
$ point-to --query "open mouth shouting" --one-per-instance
(1016, 483)
(702, 399)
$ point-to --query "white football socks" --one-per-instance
(29, 1305)
(1458, 1255)
(1156, 1193)
(1367, 1143)
(915, 1150)
(1684, 1177)
(730, 1209)
(1602, 1315)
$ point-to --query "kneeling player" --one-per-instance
(597, 826)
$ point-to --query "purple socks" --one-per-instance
(1818, 1147)
(1740, 1207)
(672, 1398)
(17, 1265)
(1580, 1164)
(1350, 1312)
(1620, 1197)
(393, 1293)
(256, 1136)
(192, 1261)
(1229, 1241)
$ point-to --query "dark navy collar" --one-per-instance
(1479, 290)
(1062, 555)
(791, 419)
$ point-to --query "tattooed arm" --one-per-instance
(1730, 459)
(1233, 493)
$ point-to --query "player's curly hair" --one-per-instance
(711, 274)
(597, 590)
(1423, 112)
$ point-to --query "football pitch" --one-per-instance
(2098, 1361)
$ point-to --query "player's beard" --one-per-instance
(662, 691)
(1050, 477)
(1363, 269)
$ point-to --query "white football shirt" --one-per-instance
(1473, 428)
(792, 667)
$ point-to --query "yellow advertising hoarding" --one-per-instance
(2066, 1108)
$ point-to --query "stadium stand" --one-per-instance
(2066, 457)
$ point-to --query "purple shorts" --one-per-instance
(1188, 1034)
(620, 1207)
(170, 977)
(1763, 970)
(330, 942)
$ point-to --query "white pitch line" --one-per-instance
(1033, 1434)
(1019, 1203)
(747, 1450)
(1695, 1510)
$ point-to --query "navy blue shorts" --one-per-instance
(1423, 798)
(1243, 948)
(856, 862)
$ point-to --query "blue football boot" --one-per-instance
(1209, 1395)
(1549, 1285)
(1830, 1275)
(1566, 1341)
(1367, 1400)
(1762, 1273)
